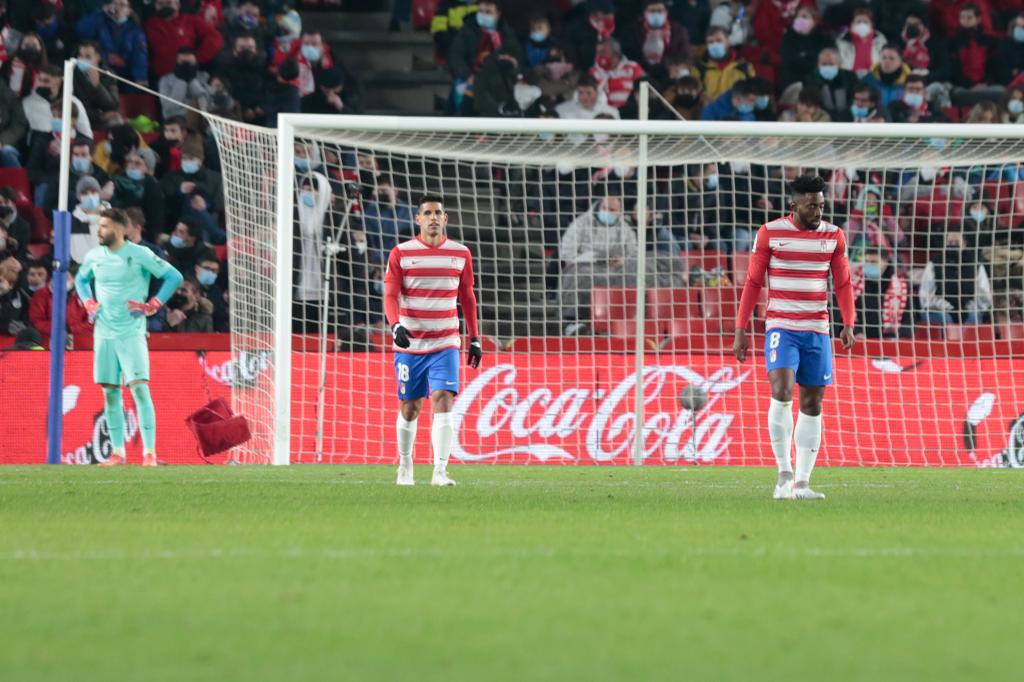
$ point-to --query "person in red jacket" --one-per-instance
(40, 313)
(771, 17)
(168, 30)
(944, 17)
(971, 49)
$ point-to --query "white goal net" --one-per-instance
(608, 250)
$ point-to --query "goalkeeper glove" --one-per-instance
(148, 308)
(92, 307)
(476, 352)
(401, 335)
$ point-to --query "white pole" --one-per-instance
(321, 398)
(283, 293)
(66, 135)
(641, 280)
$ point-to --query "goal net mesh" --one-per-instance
(935, 244)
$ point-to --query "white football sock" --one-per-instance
(780, 432)
(807, 436)
(406, 439)
(441, 435)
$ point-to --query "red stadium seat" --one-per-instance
(740, 264)
(139, 104)
(1013, 331)
(18, 179)
(719, 306)
(38, 250)
(42, 226)
(675, 312)
(612, 310)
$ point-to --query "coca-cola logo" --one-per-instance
(99, 446)
(241, 371)
(510, 423)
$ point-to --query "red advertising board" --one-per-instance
(551, 408)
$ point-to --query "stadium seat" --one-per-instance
(740, 264)
(707, 260)
(1013, 331)
(967, 333)
(718, 308)
(42, 226)
(18, 179)
(139, 104)
(38, 250)
(675, 312)
(612, 309)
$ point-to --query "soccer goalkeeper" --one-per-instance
(120, 272)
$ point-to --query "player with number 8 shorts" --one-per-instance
(113, 282)
(427, 278)
(794, 256)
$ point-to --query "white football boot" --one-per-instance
(405, 475)
(440, 478)
(783, 490)
(805, 493)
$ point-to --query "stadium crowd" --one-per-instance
(931, 245)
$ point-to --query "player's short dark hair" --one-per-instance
(431, 198)
(116, 215)
(808, 184)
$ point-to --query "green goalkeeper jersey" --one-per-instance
(118, 277)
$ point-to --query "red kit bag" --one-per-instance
(217, 428)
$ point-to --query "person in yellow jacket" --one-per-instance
(447, 21)
(721, 68)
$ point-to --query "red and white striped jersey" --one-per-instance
(795, 264)
(422, 286)
(618, 82)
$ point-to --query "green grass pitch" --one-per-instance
(520, 573)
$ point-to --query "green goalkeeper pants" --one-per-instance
(120, 361)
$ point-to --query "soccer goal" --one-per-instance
(610, 250)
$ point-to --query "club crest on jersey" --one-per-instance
(401, 388)
(773, 356)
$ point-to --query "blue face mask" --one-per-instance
(121, 20)
(1018, 34)
(90, 202)
(311, 53)
(190, 167)
(979, 216)
(828, 71)
(80, 165)
(655, 19)
(538, 36)
(607, 217)
(545, 136)
(745, 107)
(872, 271)
(177, 242)
(135, 174)
(206, 277)
(717, 50)
(1015, 106)
(711, 181)
(913, 99)
(83, 66)
(486, 21)
(857, 111)
(302, 165)
(57, 125)
(307, 198)
(762, 102)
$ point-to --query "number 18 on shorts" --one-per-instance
(420, 374)
(808, 354)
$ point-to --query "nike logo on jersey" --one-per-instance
(450, 383)
(827, 377)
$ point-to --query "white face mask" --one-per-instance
(928, 173)
(861, 29)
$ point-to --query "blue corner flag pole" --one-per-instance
(58, 336)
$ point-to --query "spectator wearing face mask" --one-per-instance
(864, 107)
(769, 19)
(168, 30)
(721, 68)
(1009, 59)
(182, 187)
(207, 272)
(889, 75)
(186, 247)
(168, 145)
(481, 35)
(13, 302)
(248, 20)
(312, 54)
(737, 104)
(860, 48)
(914, 106)
(801, 46)
(185, 84)
(56, 34)
(925, 53)
(686, 95)
(654, 38)
(808, 108)
(40, 312)
(43, 163)
(85, 219)
(447, 22)
(556, 77)
(21, 71)
(955, 287)
(37, 276)
(581, 35)
(538, 43)
(615, 74)
(944, 17)
(188, 312)
(308, 241)
(1012, 110)
(122, 41)
(137, 187)
(121, 140)
(17, 231)
(13, 127)
(39, 106)
(588, 102)
(882, 295)
(98, 92)
(244, 67)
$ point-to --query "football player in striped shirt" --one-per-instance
(793, 256)
(427, 277)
